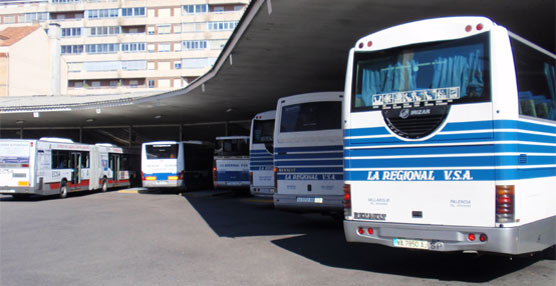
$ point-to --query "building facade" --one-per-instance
(30, 62)
(125, 46)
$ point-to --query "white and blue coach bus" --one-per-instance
(450, 139)
(176, 164)
(231, 162)
(261, 154)
(308, 153)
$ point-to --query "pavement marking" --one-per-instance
(128, 191)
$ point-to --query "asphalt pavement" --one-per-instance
(139, 237)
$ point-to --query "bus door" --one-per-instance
(76, 166)
(114, 165)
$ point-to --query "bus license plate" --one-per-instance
(309, 200)
(411, 243)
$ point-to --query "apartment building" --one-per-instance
(125, 46)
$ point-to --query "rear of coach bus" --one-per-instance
(17, 166)
(422, 137)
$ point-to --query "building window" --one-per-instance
(65, 1)
(222, 26)
(194, 45)
(102, 48)
(102, 13)
(104, 31)
(195, 9)
(164, 47)
(133, 12)
(151, 83)
(150, 48)
(177, 65)
(133, 47)
(164, 29)
(36, 17)
(150, 30)
(71, 32)
(72, 49)
(218, 9)
(114, 83)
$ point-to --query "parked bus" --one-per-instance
(261, 154)
(52, 166)
(450, 139)
(231, 162)
(308, 153)
(172, 164)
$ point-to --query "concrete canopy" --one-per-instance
(280, 48)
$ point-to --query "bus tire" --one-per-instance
(63, 190)
(104, 187)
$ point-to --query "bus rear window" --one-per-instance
(232, 147)
(455, 71)
(162, 151)
(263, 131)
(311, 116)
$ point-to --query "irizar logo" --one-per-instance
(405, 113)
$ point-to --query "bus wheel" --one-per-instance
(63, 190)
(104, 185)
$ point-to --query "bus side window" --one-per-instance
(536, 81)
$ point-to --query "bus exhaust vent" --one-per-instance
(416, 122)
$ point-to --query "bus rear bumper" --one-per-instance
(163, 184)
(535, 236)
(6, 190)
(315, 203)
(262, 191)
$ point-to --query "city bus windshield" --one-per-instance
(455, 71)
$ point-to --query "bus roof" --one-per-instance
(424, 31)
(231, 137)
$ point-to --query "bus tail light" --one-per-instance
(143, 176)
(214, 172)
(347, 199)
(181, 175)
(251, 178)
(505, 203)
(275, 178)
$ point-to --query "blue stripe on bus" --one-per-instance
(309, 163)
(261, 164)
(258, 151)
(463, 126)
(233, 176)
(437, 150)
(261, 159)
(259, 155)
(261, 168)
(311, 170)
(308, 149)
(334, 155)
(160, 176)
(456, 138)
(442, 175)
(475, 161)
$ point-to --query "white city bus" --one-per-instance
(231, 162)
(261, 152)
(52, 166)
(173, 164)
(308, 152)
(450, 139)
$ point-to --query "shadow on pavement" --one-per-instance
(330, 248)
(321, 239)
